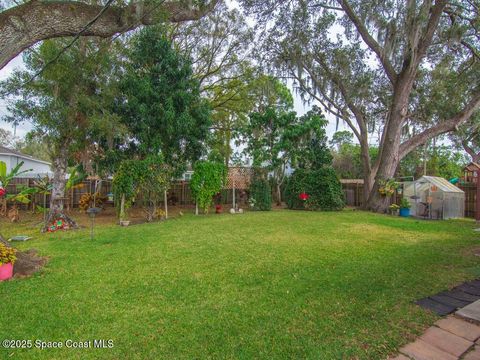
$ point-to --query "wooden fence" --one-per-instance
(353, 192)
(180, 194)
(72, 198)
(470, 191)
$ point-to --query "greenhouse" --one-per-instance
(433, 197)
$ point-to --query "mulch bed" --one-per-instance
(446, 302)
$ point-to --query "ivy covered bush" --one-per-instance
(207, 180)
(314, 189)
(149, 176)
(260, 194)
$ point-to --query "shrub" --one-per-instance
(404, 204)
(87, 200)
(7, 254)
(207, 180)
(320, 190)
(260, 195)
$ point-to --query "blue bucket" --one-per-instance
(404, 212)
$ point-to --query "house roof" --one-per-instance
(6, 151)
(472, 167)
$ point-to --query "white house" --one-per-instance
(13, 157)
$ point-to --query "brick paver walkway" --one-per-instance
(451, 338)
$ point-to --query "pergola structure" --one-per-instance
(472, 173)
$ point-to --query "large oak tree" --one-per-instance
(405, 70)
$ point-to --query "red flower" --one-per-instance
(2, 191)
(303, 196)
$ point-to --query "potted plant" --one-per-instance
(388, 187)
(7, 259)
(404, 208)
(394, 209)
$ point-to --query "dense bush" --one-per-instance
(322, 187)
(208, 179)
(260, 194)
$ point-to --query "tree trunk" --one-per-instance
(367, 166)
(122, 208)
(59, 181)
(165, 201)
(389, 155)
(228, 149)
(57, 196)
(279, 194)
(367, 187)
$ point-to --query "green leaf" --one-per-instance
(3, 169)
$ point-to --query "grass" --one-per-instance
(273, 285)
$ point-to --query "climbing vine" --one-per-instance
(150, 176)
(207, 180)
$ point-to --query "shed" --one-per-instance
(434, 198)
(471, 172)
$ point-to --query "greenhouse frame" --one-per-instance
(433, 197)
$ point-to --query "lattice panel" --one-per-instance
(240, 177)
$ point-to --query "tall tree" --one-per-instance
(62, 102)
(24, 24)
(219, 45)
(160, 102)
(276, 139)
(379, 67)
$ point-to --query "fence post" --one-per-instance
(166, 205)
(477, 200)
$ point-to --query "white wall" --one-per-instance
(38, 167)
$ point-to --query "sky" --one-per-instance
(22, 129)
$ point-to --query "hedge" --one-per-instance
(322, 187)
(260, 195)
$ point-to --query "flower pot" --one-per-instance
(6, 271)
(404, 212)
(124, 222)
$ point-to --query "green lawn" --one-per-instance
(273, 285)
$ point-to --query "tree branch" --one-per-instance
(24, 25)
(370, 41)
(441, 128)
(426, 40)
(469, 150)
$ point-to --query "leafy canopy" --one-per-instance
(67, 101)
(160, 101)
